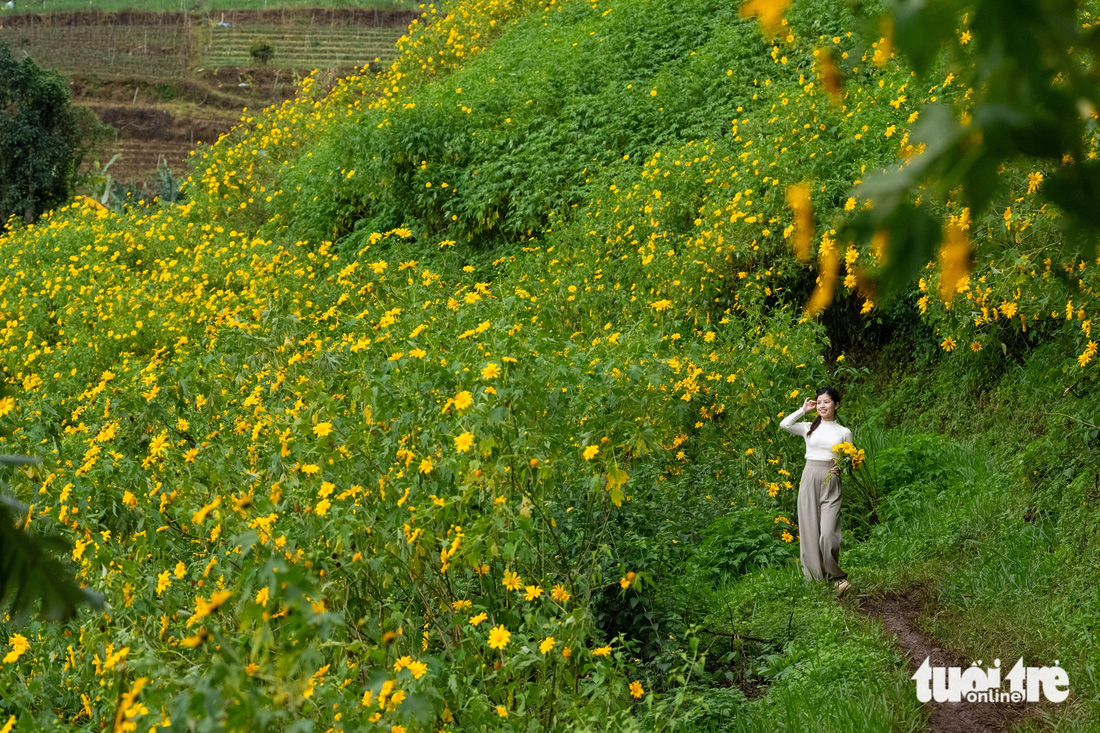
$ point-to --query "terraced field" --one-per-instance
(170, 44)
(167, 80)
(302, 47)
(167, 6)
(109, 49)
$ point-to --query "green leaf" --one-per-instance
(914, 234)
(30, 573)
(1076, 189)
(617, 496)
(920, 27)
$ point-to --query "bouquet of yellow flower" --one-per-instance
(846, 455)
(863, 485)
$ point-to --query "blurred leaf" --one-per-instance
(19, 460)
(981, 181)
(920, 27)
(1076, 188)
(914, 234)
(29, 573)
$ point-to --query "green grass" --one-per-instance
(832, 670)
(1003, 535)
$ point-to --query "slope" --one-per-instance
(433, 404)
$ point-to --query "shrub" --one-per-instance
(261, 51)
(43, 138)
(737, 544)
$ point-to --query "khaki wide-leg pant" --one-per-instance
(818, 530)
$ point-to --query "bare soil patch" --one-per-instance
(898, 613)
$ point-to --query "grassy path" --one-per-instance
(898, 613)
(970, 563)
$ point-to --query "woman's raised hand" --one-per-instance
(809, 405)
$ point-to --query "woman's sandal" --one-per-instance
(842, 586)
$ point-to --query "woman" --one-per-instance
(819, 493)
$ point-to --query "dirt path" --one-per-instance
(898, 614)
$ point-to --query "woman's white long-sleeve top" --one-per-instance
(819, 446)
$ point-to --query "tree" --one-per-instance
(262, 51)
(43, 138)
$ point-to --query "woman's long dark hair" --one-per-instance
(817, 420)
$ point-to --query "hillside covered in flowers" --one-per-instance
(440, 402)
